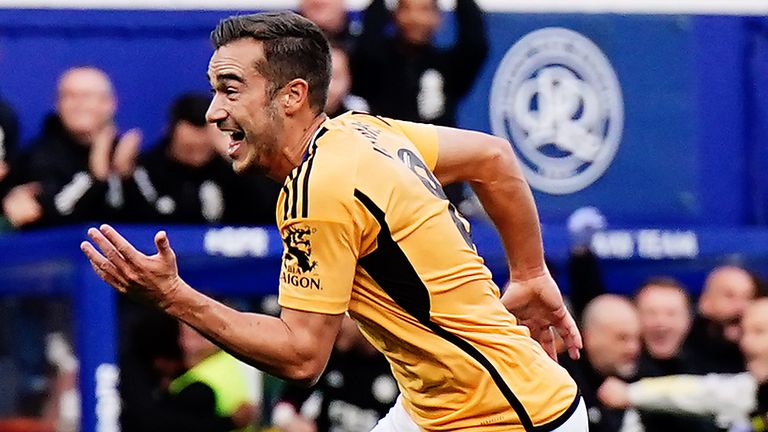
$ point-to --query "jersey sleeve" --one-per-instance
(320, 239)
(424, 137)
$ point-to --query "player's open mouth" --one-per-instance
(236, 140)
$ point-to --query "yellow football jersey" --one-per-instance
(367, 230)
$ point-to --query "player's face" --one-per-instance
(665, 320)
(241, 106)
(754, 342)
(417, 20)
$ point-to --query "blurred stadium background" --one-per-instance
(678, 179)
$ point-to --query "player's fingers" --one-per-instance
(122, 245)
(108, 278)
(547, 340)
(571, 337)
(103, 267)
(163, 245)
(109, 251)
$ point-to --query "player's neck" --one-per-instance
(298, 133)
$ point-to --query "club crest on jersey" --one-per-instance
(557, 99)
(299, 269)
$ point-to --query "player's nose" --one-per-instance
(216, 112)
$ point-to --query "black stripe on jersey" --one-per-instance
(286, 200)
(295, 195)
(309, 160)
(390, 269)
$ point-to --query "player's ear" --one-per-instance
(295, 95)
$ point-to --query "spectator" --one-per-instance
(177, 380)
(355, 391)
(332, 18)
(611, 334)
(150, 359)
(339, 99)
(716, 331)
(665, 320)
(215, 384)
(183, 180)
(739, 402)
(406, 76)
(71, 173)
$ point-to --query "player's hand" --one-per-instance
(153, 279)
(126, 152)
(614, 393)
(537, 304)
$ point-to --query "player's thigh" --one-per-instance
(578, 422)
(396, 420)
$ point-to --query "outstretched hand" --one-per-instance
(154, 279)
(537, 304)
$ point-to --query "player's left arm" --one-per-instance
(490, 166)
(295, 346)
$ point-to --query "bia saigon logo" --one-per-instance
(298, 266)
(556, 97)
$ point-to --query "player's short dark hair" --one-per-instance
(294, 47)
(191, 108)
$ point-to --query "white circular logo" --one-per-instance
(557, 99)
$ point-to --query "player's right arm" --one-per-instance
(295, 346)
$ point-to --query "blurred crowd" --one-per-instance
(652, 362)
(658, 361)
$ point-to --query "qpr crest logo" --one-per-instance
(557, 99)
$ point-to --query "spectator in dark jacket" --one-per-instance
(665, 320)
(161, 391)
(72, 171)
(406, 76)
(611, 333)
(716, 329)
